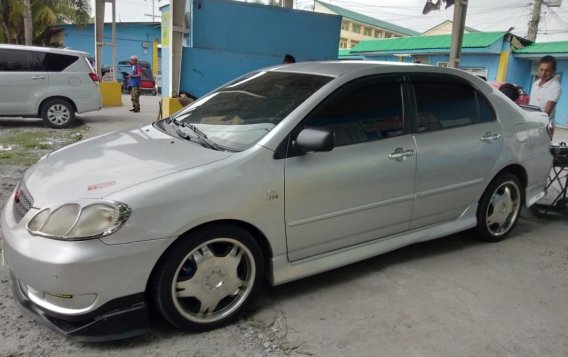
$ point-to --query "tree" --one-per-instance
(11, 12)
(28, 26)
(45, 13)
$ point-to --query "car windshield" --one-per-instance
(239, 114)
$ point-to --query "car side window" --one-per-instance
(486, 111)
(445, 103)
(13, 61)
(366, 111)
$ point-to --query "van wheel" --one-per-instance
(499, 208)
(205, 279)
(58, 113)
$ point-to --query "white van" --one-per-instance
(50, 83)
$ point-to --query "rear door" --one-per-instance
(24, 81)
(458, 142)
(362, 189)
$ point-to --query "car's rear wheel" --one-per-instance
(206, 278)
(499, 208)
(58, 113)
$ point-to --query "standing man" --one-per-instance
(134, 80)
(546, 90)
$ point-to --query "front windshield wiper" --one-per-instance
(198, 134)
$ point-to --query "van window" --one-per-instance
(13, 61)
(54, 62)
(34, 61)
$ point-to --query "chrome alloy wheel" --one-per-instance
(58, 114)
(213, 280)
(503, 209)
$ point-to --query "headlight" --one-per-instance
(77, 221)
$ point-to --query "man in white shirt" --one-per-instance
(546, 90)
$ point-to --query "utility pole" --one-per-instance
(533, 24)
(458, 26)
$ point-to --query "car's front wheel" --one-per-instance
(499, 208)
(205, 279)
(58, 113)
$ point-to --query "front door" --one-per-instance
(362, 189)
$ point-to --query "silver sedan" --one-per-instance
(283, 173)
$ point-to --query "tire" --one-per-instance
(58, 113)
(499, 208)
(206, 278)
(154, 92)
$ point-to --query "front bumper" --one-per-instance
(119, 319)
(86, 289)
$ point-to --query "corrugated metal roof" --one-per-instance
(544, 48)
(470, 40)
(369, 20)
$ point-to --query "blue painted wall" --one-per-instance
(130, 38)
(561, 115)
(562, 105)
(230, 38)
(519, 72)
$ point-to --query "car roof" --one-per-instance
(63, 51)
(338, 68)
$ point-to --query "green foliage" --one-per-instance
(45, 13)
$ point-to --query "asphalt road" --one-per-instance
(453, 296)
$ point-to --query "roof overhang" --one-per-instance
(443, 51)
(537, 56)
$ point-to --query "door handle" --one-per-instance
(38, 77)
(490, 137)
(400, 154)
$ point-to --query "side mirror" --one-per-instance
(312, 139)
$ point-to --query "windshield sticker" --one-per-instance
(101, 185)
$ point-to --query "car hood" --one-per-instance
(100, 166)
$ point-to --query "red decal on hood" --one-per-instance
(100, 185)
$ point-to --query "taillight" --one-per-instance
(94, 77)
(550, 129)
